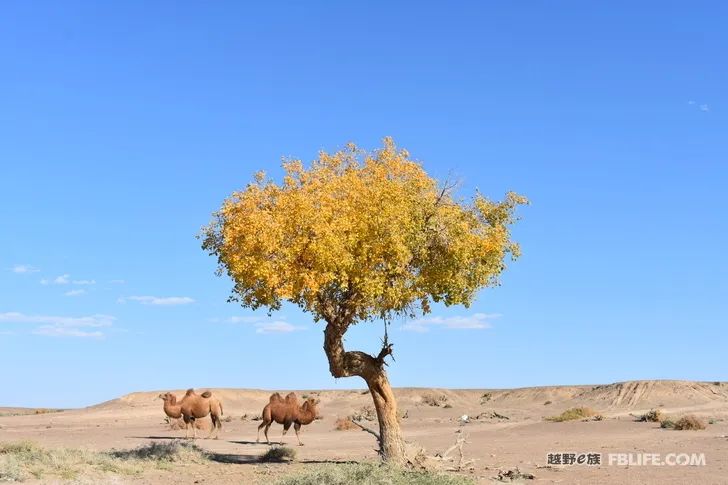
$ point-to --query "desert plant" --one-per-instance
(278, 454)
(652, 416)
(547, 403)
(435, 400)
(24, 460)
(486, 397)
(370, 474)
(690, 423)
(667, 424)
(359, 236)
(344, 424)
(163, 451)
(365, 413)
(572, 414)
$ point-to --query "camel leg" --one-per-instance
(187, 427)
(286, 426)
(215, 424)
(265, 432)
(194, 428)
(260, 426)
(297, 428)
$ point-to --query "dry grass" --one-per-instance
(344, 424)
(573, 414)
(25, 460)
(278, 454)
(435, 400)
(689, 423)
(371, 474)
(366, 413)
(652, 416)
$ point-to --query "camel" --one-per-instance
(172, 409)
(286, 412)
(195, 406)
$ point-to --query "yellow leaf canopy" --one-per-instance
(359, 235)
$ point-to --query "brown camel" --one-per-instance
(195, 406)
(286, 412)
(172, 408)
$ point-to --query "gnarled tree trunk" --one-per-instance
(371, 369)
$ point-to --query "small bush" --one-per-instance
(169, 451)
(598, 417)
(434, 400)
(371, 474)
(547, 403)
(278, 454)
(667, 424)
(486, 397)
(652, 416)
(689, 422)
(366, 413)
(344, 424)
(572, 414)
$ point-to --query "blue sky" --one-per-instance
(123, 126)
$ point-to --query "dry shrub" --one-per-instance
(652, 416)
(278, 454)
(572, 414)
(547, 403)
(365, 413)
(690, 423)
(667, 424)
(344, 424)
(434, 400)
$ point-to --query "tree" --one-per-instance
(355, 237)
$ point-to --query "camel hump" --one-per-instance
(291, 398)
(206, 394)
(275, 397)
(189, 392)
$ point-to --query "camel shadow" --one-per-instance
(243, 442)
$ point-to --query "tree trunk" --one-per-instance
(391, 442)
(371, 369)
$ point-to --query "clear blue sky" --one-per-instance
(124, 125)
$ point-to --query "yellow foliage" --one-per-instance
(361, 235)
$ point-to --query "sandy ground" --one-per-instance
(522, 441)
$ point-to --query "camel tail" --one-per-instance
(206, 394)
(220, 404)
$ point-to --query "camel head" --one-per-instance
(168, 397)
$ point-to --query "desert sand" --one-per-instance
(494, 443)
